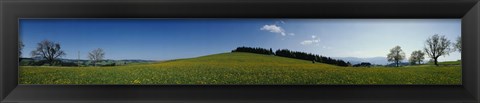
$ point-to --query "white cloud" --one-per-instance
(326, 47)
(274, 29)
(308, 42)
(314, 40)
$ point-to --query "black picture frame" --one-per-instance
(12, 10)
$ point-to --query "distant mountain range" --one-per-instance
(352, 60)
(82, 60)
(373, 60)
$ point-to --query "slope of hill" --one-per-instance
(249, 58)
(239, 69)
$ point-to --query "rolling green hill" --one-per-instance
(240, 69)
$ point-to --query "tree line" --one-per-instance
(293, 54)
(435, 47)
(254, 50)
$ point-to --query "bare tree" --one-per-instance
(417, 57)
(96, 55)
(20, 47)
(437, 46)
(48, 50)
(458, 45)
(396, 55)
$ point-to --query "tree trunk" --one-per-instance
(436, 62)
(50, 62)
(396, 62)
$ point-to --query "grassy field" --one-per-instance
(241, 68)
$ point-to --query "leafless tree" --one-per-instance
(48, 50)
(96, 55)
(458, 45)
(417, 57)
(396, 55)
(20, 47)
(437, 46)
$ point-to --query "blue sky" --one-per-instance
(163, 39)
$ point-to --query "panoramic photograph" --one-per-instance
(225, 51)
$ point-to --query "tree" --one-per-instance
(458, 45)
(96, 55)
(417, 57)
(292, 54)
(363, 64)
(20, 47)
(271, 51)
(257, 50)
(437, 46)
(396, 55)
(48, 50)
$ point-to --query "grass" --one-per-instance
(241, 69)
(447, 63)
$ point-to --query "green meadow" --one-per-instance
(243, 69)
